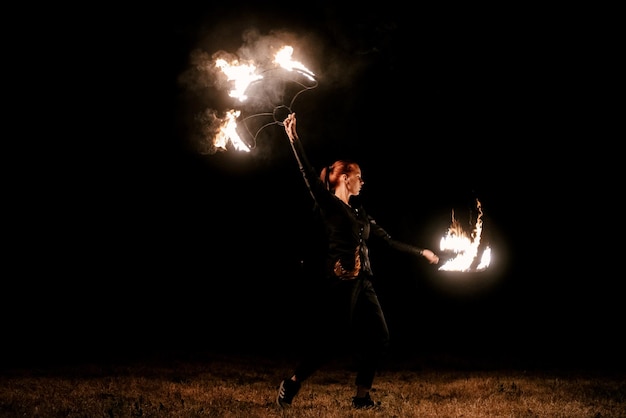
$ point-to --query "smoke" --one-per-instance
(207, 88)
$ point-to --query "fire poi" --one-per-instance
(465, 246)
(243, 76)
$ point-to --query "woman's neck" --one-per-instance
(343, 195)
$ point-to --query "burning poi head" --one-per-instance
(467, 267)
(465, 246)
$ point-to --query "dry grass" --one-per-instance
(245, 386)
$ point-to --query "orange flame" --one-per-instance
(465, 246)
(228, 131)
(241, 74)
(244, 74)
(283, 58)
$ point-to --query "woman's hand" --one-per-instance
(290, 127)
(430, 256)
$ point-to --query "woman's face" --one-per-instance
(354, 182)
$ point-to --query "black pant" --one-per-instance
(346, 314)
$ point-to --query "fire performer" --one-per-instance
(349, 301)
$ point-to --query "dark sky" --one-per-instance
(132, 240)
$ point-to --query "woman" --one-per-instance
(350, 301)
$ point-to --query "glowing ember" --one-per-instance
(465, 246)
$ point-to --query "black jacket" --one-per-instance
(347, 227)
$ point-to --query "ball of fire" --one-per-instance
(465, 246)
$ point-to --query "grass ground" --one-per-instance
(228, 385)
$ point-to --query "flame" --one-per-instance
(228, 131)
(241, 74)
(244, 74)
(465, 246)
(283, 58)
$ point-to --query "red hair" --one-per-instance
(330, 175)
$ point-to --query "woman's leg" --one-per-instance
(371, 335)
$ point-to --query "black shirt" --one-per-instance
(347, 227)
